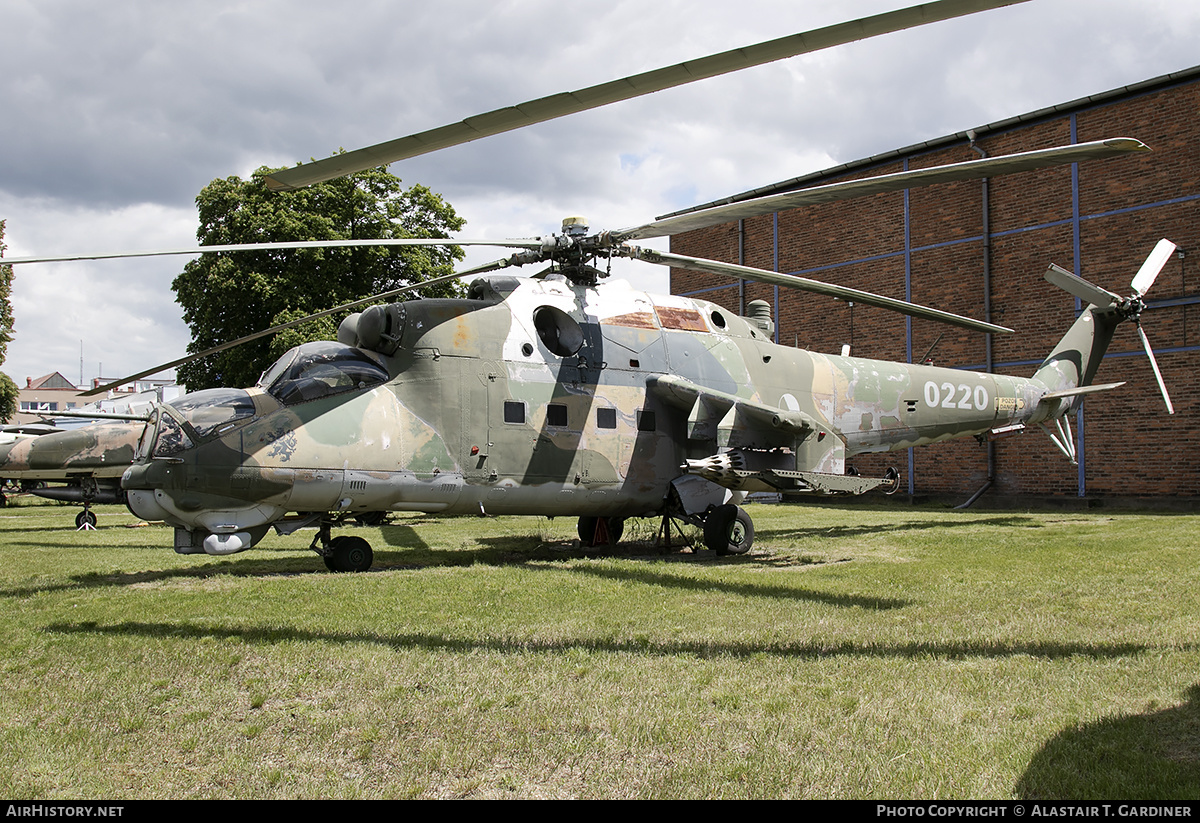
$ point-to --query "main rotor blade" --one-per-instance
(804, 284)
(96, 415)
(1162, 387)
(517, 243)
(1074, 284)
(1148, 273)
(446, 278)
(483, 268)
(559, 105)
(969, 170)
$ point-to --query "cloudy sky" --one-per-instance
(114, 115)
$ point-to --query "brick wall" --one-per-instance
(1131, 447)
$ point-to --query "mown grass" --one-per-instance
(860, 651)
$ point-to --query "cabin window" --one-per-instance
(645, 421)
(514, 411)
(556, 415)
(606, 418)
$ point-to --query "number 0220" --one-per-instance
(949, 396)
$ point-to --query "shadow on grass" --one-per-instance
(1152, 756)
(402, 536)
(643, 645)
(67, 529)
(301, 566)
(530, 551)
(518, 551)
(410, 551)
(215, 567)
(1006, 521)
(668, 581)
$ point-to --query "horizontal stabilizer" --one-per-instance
(1055, 395)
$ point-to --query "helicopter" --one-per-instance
(569, 394)
(82, 465)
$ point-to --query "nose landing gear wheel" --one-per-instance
(85, 520)
(728, 530)
(348, 553)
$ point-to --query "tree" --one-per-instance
(227, 295)
(8, 389)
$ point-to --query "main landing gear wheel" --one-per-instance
(348, 553)
(600, 531)
(728, 530)
(86, 519)
(892, 476)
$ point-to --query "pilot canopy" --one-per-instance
(317, 370)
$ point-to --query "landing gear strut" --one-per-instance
(89, 491)
(344, 553)
(86, 519)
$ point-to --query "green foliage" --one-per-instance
(8, 398)
(6, 315)
(8, 389)
(225, 296)
(323, 328)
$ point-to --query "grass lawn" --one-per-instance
(859, 651)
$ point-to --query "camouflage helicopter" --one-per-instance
(82, 465)
(565, 394)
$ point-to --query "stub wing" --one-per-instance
(745, 445)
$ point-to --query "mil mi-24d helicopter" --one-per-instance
(565, 395)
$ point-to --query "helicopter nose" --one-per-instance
(145, 505)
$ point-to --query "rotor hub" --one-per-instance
(575, 226)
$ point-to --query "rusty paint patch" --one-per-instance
(682, 319)
(634, 320)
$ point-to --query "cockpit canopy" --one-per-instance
(208, 409)
(317, 370)
(206, 412)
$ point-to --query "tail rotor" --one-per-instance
(1129, 308)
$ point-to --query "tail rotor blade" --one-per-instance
(1085, 291)
(1144, 279)
(1162, 387)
